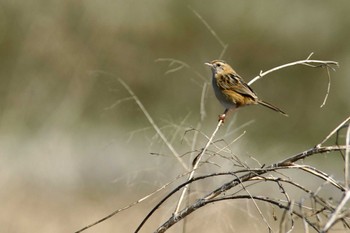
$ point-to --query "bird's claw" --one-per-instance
(222, 117)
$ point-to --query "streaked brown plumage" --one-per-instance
(231, 90)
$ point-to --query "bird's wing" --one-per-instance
(234, 82)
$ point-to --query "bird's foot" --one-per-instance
(222, 117)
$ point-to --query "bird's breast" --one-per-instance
(220, 94)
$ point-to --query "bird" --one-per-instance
(232, 91)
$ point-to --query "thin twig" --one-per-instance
(253, 173)
(333, 132)
(301, 62)
(226, 146)
(181, 64)
(192, 208)
(321, 175)
(199, 158)
(156, 128)
(202, 103)
(336, 214)
(347, 161)
(118, 102)
(256, 206)
(195, 166)
(130, 205)
(210, 29)
(328, 88)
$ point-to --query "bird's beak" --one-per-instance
(208, 64)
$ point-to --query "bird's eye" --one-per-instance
(218, 65)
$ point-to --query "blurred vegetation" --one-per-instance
(59, 64)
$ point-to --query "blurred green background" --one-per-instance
(73, 149)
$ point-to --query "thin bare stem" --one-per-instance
(199, 158)
(251, 175)
(347, 154)
(156, 128)
(256, 206)
(130, 205)
(191, 209)
(333, 132)
(308, 62)
(118, 102)
(223, 52)
(210, 29)
(195, 166)
(202, 103)
(335, 216)
(328, 88)
(181, 65)
(321, 175)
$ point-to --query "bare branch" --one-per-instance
(251, 175)
(307, 62)
(196, 164)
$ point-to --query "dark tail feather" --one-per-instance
(270, 106)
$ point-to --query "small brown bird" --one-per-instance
(231, 90)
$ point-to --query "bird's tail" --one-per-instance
(270, 106)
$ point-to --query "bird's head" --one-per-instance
(220, 67)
